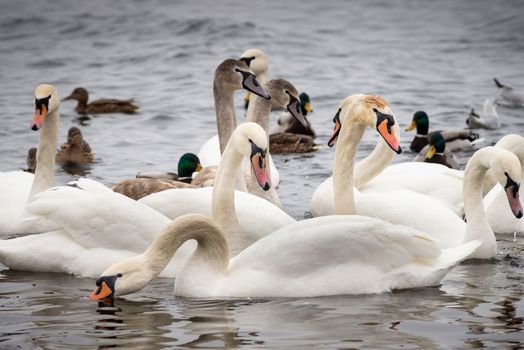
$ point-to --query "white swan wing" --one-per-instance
(96, 216)
(15, 187)
(338, 255)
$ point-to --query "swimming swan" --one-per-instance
(416, 210)
(321, 256)
(18, 188)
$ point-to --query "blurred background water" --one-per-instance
(437, 56)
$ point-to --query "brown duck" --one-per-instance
(106, 105)
(148, 183)
(75, 150)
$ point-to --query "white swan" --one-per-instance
(372, 174)
(321, 256)
(497, 213)
(18, 188)
(416, 210)
(236, 211)
(489, 119)
(510, 95)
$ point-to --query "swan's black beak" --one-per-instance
(336, 129)
(259, 164)
(385, 122)
(41, 109)
(512, 193)
(105, 289)
(250, 83)
(294, 108)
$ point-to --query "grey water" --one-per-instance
(437, 56)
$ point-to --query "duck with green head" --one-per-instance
(146, 183)
(438, 153)
(289, 135)
(455, 139)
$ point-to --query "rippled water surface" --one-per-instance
(439, 56)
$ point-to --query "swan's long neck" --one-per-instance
(477, 225)
(260, 111)
(225, 114)
(262, 78)
(212, 247)
(223, 199)
(260, 115)
(373, 164)
(345, 152)
(45, 156)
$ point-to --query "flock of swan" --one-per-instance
(376, 227)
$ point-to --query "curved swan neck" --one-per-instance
(212, 246)
(346, 149)
(477, 225)
(373, 164)
(225, 113)
(223, 198)
(45, 156)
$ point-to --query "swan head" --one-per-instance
(506, 168)
(79, 94)
(372, 111)
(436, 144)
(47, 102)
(234, 75)
(124, 277)
(256, 59)
(284, 94)
(251, 141)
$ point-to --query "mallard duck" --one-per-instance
(75, 150)
(455, 139)
(106, 105)
(437, 152)
(30, 160)
(291, 136)
(146, 183)
(509, 94)
(488, 120)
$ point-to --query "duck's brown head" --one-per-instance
(79, 94)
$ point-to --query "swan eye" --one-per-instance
(119, 275)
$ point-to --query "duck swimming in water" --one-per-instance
(106, 105)
(437, 152)
(76, 149)
(455, 139)
(291, 136)
(148, 183)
